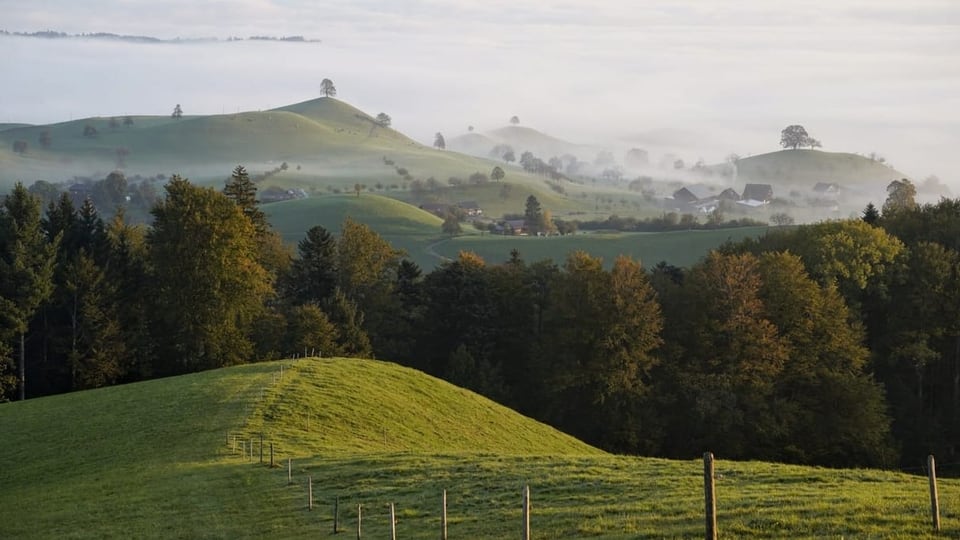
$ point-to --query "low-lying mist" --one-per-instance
(677, 78)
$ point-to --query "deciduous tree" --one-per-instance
(208, 284)
(327, 88)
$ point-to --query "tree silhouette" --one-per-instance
(327, 88)
(383, 120)
(795, 136)
(177, 112)
(439, 141)
(514, 120)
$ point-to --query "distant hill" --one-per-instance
(521, 139)
(804, 168)
(474, 144)
(4, 127)
(326, 143)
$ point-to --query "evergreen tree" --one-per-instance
(26, 267)
(243, 192)
(314, 274)
(532, 214)
(127, 272)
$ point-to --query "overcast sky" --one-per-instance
(703, 79)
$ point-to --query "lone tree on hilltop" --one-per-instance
(514, 120)
(439, 141)
(796, 136)
(383, 120)
(177, 112)
(327, 88)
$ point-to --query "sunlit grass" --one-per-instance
(157, 459)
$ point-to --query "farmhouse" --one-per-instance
(693, 194)
(762, 193)
(471, 208)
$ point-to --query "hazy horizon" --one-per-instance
(684, 77)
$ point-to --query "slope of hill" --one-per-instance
(180, 457)
(804, 168)
(474, 144)
(326, 143)
(544, 146)
(154, 459)
(405, 226)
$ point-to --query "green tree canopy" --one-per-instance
(209, 286)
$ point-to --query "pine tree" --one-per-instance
(243, 192)
(26, 266)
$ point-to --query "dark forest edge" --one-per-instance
(836, 343)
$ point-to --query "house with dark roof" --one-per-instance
(471, 208)
(693, 194)
(762, 193)
(729, 194)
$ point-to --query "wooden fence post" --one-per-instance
(443, 517)
(393, 523)
(526, 513)
(709, 497)
(251, 449)
(309, 493)
(359, 519)
(261, 448)
(271, 455)
(336, 515)
(934, 497)
(289, 471)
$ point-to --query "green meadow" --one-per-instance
(679, 248)
(172, 458)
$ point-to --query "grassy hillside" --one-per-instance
(163, 459)
(680, 248)
(404, 226)
(804, 168)
(474, 144)
(151, 459)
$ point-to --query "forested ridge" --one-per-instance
(836, 343)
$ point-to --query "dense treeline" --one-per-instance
(836, 343)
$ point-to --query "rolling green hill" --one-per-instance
(180, 457)
(403, 225)
(327, 145)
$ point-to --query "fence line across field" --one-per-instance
(236, 443)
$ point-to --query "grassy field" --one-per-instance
(159, 459)
(679, 248)
(419, 234)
